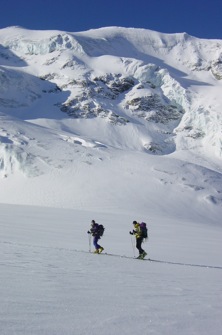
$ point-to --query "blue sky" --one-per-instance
(198, 18)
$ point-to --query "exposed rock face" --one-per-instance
(152, 109)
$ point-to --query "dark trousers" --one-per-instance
(95, 242)
(139, 241)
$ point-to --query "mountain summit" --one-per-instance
(85, 115)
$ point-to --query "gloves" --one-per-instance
(131, 233)
(88, 232)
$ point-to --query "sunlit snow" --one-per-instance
(116, 125)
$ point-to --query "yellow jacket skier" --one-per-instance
(137, 231)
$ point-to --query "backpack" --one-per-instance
(144, 230)
(100, 230)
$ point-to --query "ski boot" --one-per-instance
(96, 251)
(143, 255)
(100, 250)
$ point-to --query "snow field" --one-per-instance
(52, 285)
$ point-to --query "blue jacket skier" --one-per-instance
(96, 232)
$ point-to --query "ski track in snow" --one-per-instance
(118, 256)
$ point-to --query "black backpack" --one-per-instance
(144, 230)
(100, 230)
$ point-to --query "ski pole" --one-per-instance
(89, 242)
(133, 246)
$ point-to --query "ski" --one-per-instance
(122, 256)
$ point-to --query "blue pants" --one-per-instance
(95, 242)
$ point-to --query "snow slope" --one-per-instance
(115, 125)
(52, 285)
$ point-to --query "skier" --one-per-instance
(137, 231)
(96, 231)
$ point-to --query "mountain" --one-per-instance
(111, 118)
(116, 125)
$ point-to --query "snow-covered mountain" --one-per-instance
(86, 115)
(115, 125)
